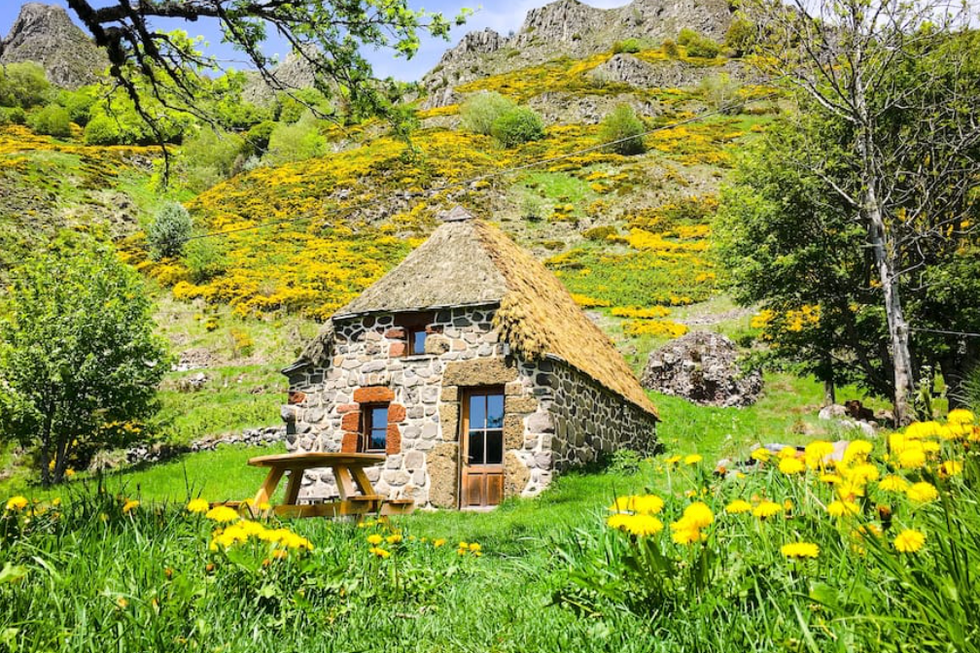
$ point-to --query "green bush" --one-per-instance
(687, 35)
(740, 36)
(669, 48)
(52, 120)
(169, 231)
(257, 138)
(600, 233)
(703, 47)
(206, 258)
(622, 123)
(102, 130)
(630, 46)
(480, 111)
(722, 93)
(517, 126)
(12, 116)
(23, 85)
(209, 157)
(296, 142)
(79, 103)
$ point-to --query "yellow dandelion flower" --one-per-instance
(817, 452)
(648, 504)
(843, 508)
(913, 458)
(800, 550)
(787, 452)
(737, 507)
(673, 460)
(791, 466)
(684, 531)
(375, 539)
(849, 490)
(761, 454)
(909, 541)
(265, 506)
(858, 450)
(439, 542)
(130, 505)
(17, 503)
(198, 505)
(862, 473)
(960, 416)
(893, 483)
(832, 479)
(922, 492)
(767, 509)
(394, 539)
(222, 514)
(378, 551)
(693, 459)
(699, 514)
(475, 547)
(951, 468)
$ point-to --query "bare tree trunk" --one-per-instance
(829, 392)
(885, 259)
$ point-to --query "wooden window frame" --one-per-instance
(367, 426)
(412, 324)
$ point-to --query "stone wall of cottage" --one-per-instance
(555, 417)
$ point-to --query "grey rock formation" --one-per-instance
(627, 69)
(294, 73)
(702, 367)
(570, 28)
(46, 35)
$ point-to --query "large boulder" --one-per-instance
(702, 367)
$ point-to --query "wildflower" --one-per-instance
(439, 542)
(69, 472)
(699, 514)
(960, 416)
(122, 603)
(394, 538)
(832, 479)
(222, 514)
(17, 503)
(817, 452)
(475, 547)
(787, 452)
(921, 430)
(843, 508)
(198, 505)
(791, 466)
(56, 502)
(951, 468)
(857, 450)
(673, 460)
(849, 490)
(909, 541)
(922, 492)
(638, 525)
(861, 474)
(912, 458)
(737, 507)
(375, 539)
(800, 550)
(767, 509)
(761, 454)
(378, 551)
(893, 484)
(788, 505)
(692, 459)
(647, 503)
(685, 531)
(130, 505)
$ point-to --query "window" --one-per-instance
(484, 428)
(374, 434)
(416, 340)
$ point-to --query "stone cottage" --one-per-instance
(471, 367)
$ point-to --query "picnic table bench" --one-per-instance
(357, 495)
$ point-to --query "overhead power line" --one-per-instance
(492, 174)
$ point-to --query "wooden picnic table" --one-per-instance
(357, 495)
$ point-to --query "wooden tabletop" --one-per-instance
(316, 459)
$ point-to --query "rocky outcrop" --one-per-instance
(702, 367)
(627, 69)
(46, 35)
(571, 28)
(295, 72)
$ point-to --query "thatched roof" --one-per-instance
(469, 262)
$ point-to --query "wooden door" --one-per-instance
(482, 448)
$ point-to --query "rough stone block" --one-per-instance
(296, 397)
(442, 468)
(430, 431)
(482, 371)
(449, 393)
(395, 478)
(514, 388)
(516, 475)
(414, 460)
(396, 413)
(347, 408)
(374, 394)
(351, 421)
(397, 333)
(449, 418)
(513, 431)
(540, 423)
(437, 344)
(520, 404)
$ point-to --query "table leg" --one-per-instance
(269, 486)
(362, 481)
(345, 484)
(293, 486)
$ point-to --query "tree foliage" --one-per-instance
(23, 85)
(78, 357)
(623, 128)
(862, 208)
(481, 110)
(52, 120)
(519, 125)
(169, 231)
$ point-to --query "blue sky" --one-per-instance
(501, 16)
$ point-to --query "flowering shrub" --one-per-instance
(872, 545)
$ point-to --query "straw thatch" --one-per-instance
(469, 262)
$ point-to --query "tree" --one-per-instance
(894, 88)
(481, 110)
(169, 231)
(519, 125)
(52, 120)
(77, 353)
(623, 128)
(23, 85)
(327, 35)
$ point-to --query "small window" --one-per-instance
(416, 341)
(374, 436)
(484, 428)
